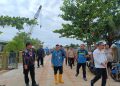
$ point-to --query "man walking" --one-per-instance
(82, 55)
(71, 55)
(100, 61)
(40, 55)
(28, 64)
(57, 63)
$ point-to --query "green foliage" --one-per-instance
(91, 20)
(19, 41)
(17, 22)
(75, 46)
(0, 32)
(37, 43)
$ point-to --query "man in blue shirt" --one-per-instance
(57, 62)
(82, 55)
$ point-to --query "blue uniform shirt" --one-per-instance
(57, 58)
(81, 56)
(63, 52)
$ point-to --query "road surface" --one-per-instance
(44, 76)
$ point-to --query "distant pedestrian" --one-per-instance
(40, 55)
(100, 61)
(57, 62)
(82, 55)
(28, 64)
(66, 59)
(108, 52)
(71, 56)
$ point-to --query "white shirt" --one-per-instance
(71, 54)
(99, 57)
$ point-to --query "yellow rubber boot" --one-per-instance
(60, 79)
(56, 80)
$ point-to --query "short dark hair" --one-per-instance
(28, 43)
(57, 45)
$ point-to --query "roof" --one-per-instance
(3, 42)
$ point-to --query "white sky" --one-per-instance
(48, 19)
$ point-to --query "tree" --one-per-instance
(17, 22)
(37, 43)
(89, 19)
(19, 41)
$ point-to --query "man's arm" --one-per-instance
(52, 58)
(25, 61)
(87, 55)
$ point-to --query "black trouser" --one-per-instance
(32, 74)
(60, 68)
(66, 60)
(40, 60)
(83, 68)
(109, 65)
(100, 72)
(71, 60)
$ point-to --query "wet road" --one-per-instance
(44, 76)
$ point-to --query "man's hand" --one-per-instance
(25, 67)
(104, 64)
(87, 56)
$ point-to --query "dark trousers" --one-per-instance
(100, 72)
(83, 68)
(40, 60)
(30, 69)
(109, 65)
(66, 60)
(59, 68)
(71, 62)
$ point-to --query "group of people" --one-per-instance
(102, 57)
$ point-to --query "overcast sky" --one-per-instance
(48, 19)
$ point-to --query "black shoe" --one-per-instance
(35, 85)
(27, 85)
(85, 79)
(76, 74)
(91, 83)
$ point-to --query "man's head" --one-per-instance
(57, 47)
(28, 45)
(82, 46)
(61, 46)
(101, 45)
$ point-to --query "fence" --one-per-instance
(8, 60)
